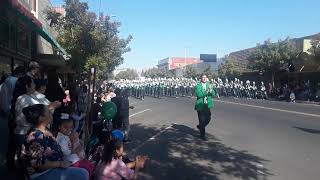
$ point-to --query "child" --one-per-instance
(292, 97)
(71, 146)
(77, 117)
(67, 99)
(112, 165)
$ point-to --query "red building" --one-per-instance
(172, 63)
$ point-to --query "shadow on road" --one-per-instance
(311, 131)
(178, 153)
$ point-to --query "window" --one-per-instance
(23, 38)
(13, 37)
(34, 5)
(4, 33)
(5, 65)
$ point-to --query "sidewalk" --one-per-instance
(298, 101)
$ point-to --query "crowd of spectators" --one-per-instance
(47, 122)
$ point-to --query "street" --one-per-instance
(247, 139)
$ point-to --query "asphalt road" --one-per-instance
(248, 139)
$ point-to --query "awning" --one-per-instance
(34, 24)
(51, 60)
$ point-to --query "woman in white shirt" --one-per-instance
(31, 97)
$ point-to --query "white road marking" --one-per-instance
(139, 112)
(152, 138)
(273, 109)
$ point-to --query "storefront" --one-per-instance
(19, 33)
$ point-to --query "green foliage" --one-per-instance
(129, 74)
(156, 73)
(190, 72)
(228, 70)
(90, 40)
(54, 18)
(272, 57)
(210, 73)
(315, 50)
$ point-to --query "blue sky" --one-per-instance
(163, 28)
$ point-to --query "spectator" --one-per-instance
(124, 114)
(41, 86)
(54, 91)
(117, 121)
(270, 88)
(18, 124)
(42, 152)
(83, 100)
(72, 147)
(34, 70)
(31, 97)
(94, 113)
(292, 96)
(112, 166)
(77, 117)
(110, 94)
(7, 89)
(67, 99)
(3, 77)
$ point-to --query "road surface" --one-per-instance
(247, 139)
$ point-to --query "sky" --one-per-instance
(175, 28)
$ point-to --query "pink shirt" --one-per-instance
(116, 170)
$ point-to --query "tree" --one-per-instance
(157, 73)
(210, 73)
(129, 74)
(315, 50)
(151, 73)
(228, 70)
(190, 72)
(272, 57)
(89, 39)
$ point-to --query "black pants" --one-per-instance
(204, 117)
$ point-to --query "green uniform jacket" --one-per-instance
(201, 94)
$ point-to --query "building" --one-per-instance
(60, 10)
(117, 71)
(202, 66)
(239, 58)
(172, 63)
(25, 35)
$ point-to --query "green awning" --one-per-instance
(46, 35)
(34, 24)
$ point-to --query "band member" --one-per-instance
(205, 93)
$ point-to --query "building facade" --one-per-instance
(172, 63)
(25, 34)
(240, 58)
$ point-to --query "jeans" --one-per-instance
(70, 173)
(204, 117)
